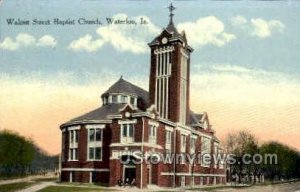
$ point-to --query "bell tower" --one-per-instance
(169, 82)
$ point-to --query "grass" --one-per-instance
(15, 186)
(46, 179)
(75, 184)
(213, 188)
(2, 177)
(73, 189)
(208, 188)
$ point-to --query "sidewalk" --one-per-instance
(25, 179)
(37, 187)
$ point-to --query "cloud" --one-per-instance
(258, 27)
(205, 31)
(238, 20)
(26, 40)
(47, 40)
(86, 43)
(9, 44)
(123, 37)
(264, 29)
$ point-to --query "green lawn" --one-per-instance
(210, 188)
(15, 186)
(46, 179)
(73, 189)
(213, 188)
(11, 177)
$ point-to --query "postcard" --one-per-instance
(154, 95)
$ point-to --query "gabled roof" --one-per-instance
(123, 86)
(195, 118)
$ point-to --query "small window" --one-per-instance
(130, 130)
(98, 134)
(123, 99)
(75, 154)
(114, 98)
(125, 130)
(91, 153)
(152, 134)
(76, 136)
(127, 133)
(132, 100)
(168, 136)
(92, 134)
(98, 153)
(95, 153)
(71, 137)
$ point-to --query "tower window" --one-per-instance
(163, 72)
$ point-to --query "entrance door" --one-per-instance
(94, 177)
(129, 174)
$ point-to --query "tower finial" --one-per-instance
(171, 9)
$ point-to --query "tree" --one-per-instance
(16, 153)
(288, 161)
(238, 145)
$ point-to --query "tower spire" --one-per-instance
(171, 9)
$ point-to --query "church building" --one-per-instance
(135, 125)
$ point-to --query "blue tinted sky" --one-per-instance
(279, 52)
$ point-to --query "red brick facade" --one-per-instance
(136, 126)
(110, 170)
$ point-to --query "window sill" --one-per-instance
(92, 160)
(73, 160)
(153, 142)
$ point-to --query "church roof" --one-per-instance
(100, 113)
(174, 34)
(123, 86)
